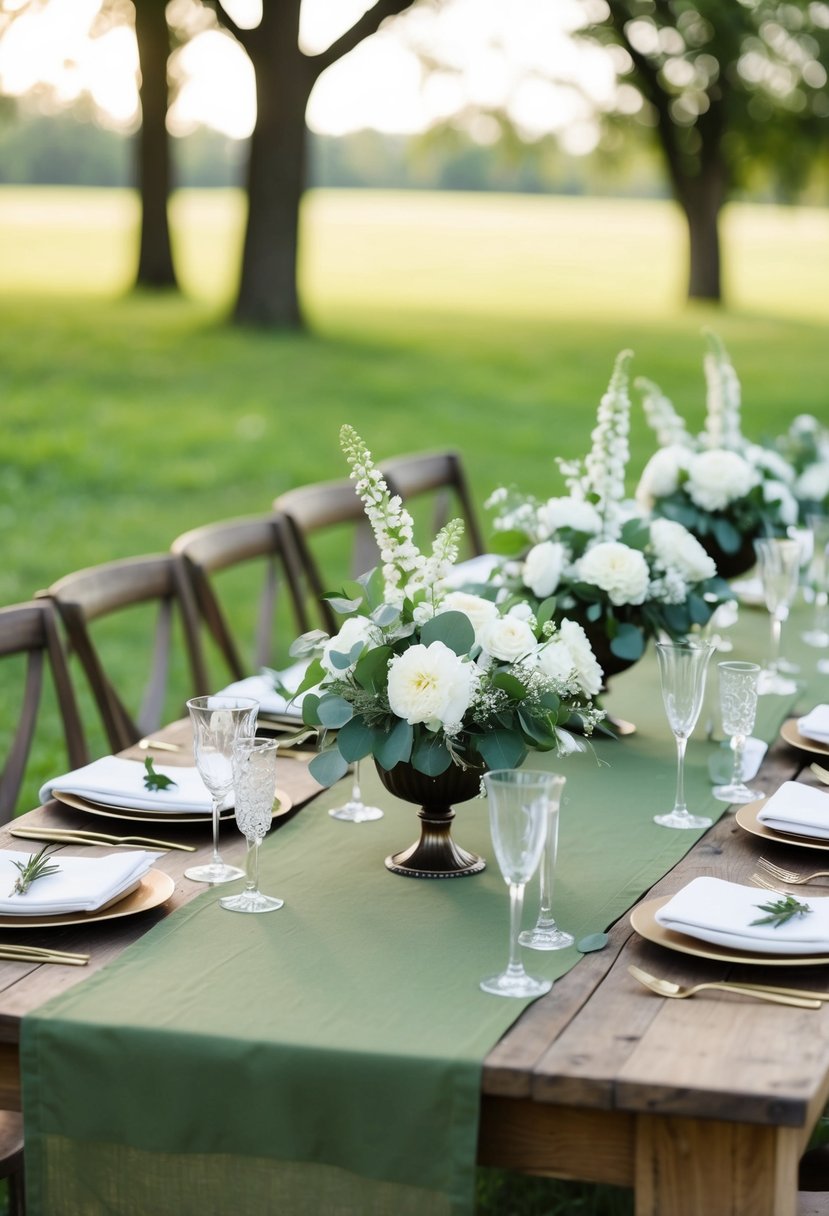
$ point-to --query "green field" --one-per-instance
(486, 323)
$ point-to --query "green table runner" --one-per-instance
(326, 1058)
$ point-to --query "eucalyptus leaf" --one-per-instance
(454, 629)
(385, 614)
(310, 709)
(395, 746)
(593, 611)
(307, 643)
(699, 611)
(430, 756)
(355, 740)
(314, 674)
(509, 684)
(545, 611)
(593, 941)
(342, 605)
(329, 766)
(372, 669)
(343, 661)
(334, 711)
(726, 535)
(501, 748)
(629, 642)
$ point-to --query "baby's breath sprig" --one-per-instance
(38, 866)
(780, 911)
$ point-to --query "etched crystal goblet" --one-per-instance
(738, 705)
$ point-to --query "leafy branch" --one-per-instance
(780, 911)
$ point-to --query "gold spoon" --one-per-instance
(667, 988)
(821, 773)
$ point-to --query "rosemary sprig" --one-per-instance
(780, 911)
(38, 866)
(154, 780)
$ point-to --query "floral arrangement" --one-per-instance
(421, 674)
(607, 564)
(723, 488)
(805, 446)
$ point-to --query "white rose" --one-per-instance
(542, 568)
(568, 512)
(478, 610)
(719, 477)
(660, 476)
(675, 547)
(617, 569)
(430, 684)
(508, 638)
(775, 492)
(355, 629)
(522, 611)
(585, 664)
(813, 483)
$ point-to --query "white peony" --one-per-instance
(432, 685)
(568, 512)
(542, 568)
(660, 476)
(718, 478)
(508, 638)
(569, 654)
(354, 629)
(675, 547)
(813, 483)
(617, 569)
(478, 610)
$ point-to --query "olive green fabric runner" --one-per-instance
(326, 1058)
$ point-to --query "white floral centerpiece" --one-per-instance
(605, 562)
(805, 446)
(724, 489)
(424, 676)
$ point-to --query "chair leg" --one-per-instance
(17, 1194)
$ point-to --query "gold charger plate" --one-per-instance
(155, 888)
(285, 804)
(746, 816)
(643, 920)
(793, 737)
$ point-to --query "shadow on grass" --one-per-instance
(502, 1193)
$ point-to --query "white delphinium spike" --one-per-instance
(661, 415)
(443, 557)
(722, 421)
(607, 460)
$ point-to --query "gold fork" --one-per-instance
(803, 1000)
(789, 876)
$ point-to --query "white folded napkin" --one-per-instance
(721, 764)
(815, 724)
(82, 884)
(260, 688)
(120, 783)
(797, 808)
(721, 912)
(472, 572)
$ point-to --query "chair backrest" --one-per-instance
(331, 507)
(30, 630)
(440, 474)
(159, 583)
(235, 545)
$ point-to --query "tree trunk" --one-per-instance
(702, 199)
(268, 294)
(155, 261)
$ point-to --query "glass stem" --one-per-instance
(548, 862)
(679, 801)
(356, 792)
(776, 632)
(516, 906)
(738, 746)
(252, 866)
(217, 806)
(821, 616)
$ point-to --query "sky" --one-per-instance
(518, 54)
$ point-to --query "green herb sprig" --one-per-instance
(780, 911)
(154, 780)
(38, 866)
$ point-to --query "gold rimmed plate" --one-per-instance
(793, 737)
(643, 919)
(282, 805)
(746, 817)
(154, 889)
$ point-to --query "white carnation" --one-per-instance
(354, 629)
(568, 655)
(675, 547)
(478, 610)
(432, 685)
(617, 569)
(813, 483)
(719, 477)
(508, 638)
(660, 476)
(568, 512)
(542, 568)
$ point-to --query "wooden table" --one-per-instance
(702, 1106)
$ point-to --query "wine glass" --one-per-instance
(254, 789)
(738, 703)
(779, 562)
(217, 723)
(682, 667)
(355, 810)
(546, 934)
(818, 580)
(518, 815)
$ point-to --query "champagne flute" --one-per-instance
(738, 703)
(254, 789)
(217, 723)
(818, 579)
(682, 667)
(355, 810)
(779, 562)
(546, 934)
(518, 815)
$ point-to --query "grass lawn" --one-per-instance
(483, 322)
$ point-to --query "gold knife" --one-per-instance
(30, 956)
(158, 745)
(82, 836)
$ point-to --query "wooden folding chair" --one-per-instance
(331, 507)
(158, 583)
(228, 545)
(440, 474)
